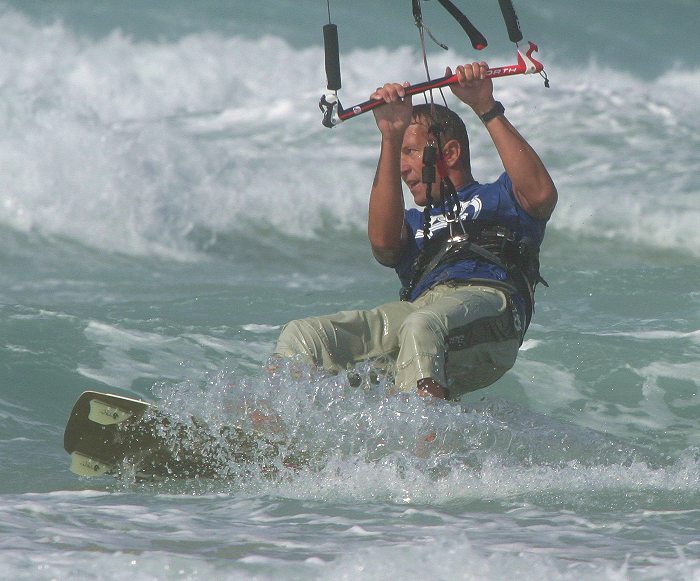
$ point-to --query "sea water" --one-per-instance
(169, 199)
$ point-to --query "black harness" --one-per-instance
(485, 242)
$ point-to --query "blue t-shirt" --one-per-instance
(492, 203)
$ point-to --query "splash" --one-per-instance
(314, 436)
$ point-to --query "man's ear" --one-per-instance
(452, 152)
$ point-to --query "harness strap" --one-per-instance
(490, 243)
(453, 250)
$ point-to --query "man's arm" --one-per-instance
(532, 184)
(385, 225)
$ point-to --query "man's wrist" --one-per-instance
(392, 138)
(495, 111)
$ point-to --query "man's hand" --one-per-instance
(395, 116)
(532, 185)
(473, 86)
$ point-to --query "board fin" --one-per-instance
(83, 465)
(106, 414)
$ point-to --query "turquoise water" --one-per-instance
(169, 199)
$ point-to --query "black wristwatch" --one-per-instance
(495, 111)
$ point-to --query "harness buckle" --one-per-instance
(505, 233)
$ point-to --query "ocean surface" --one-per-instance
(169, 199)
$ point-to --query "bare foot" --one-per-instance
(428, 386)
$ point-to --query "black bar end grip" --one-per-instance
(511, 20)
(477, 39)
(330, 44)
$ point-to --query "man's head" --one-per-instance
(433, 124)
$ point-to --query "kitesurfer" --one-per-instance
(469, 264)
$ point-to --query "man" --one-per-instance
(469, 297)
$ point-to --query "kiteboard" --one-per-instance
(109, 434)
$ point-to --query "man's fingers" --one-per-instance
(471, 72)
(391, 92)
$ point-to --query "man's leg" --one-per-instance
(336, 341)
(461, 338)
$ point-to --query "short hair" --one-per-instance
(447, 123)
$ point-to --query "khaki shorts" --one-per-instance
(464, 336)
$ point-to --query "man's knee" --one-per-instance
(300, 337)
(423, 325)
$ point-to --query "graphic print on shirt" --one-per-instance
(469, 211)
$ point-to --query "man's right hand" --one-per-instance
(395, 116)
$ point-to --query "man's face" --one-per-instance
(414, 141)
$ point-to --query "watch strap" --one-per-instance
(495, 111)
